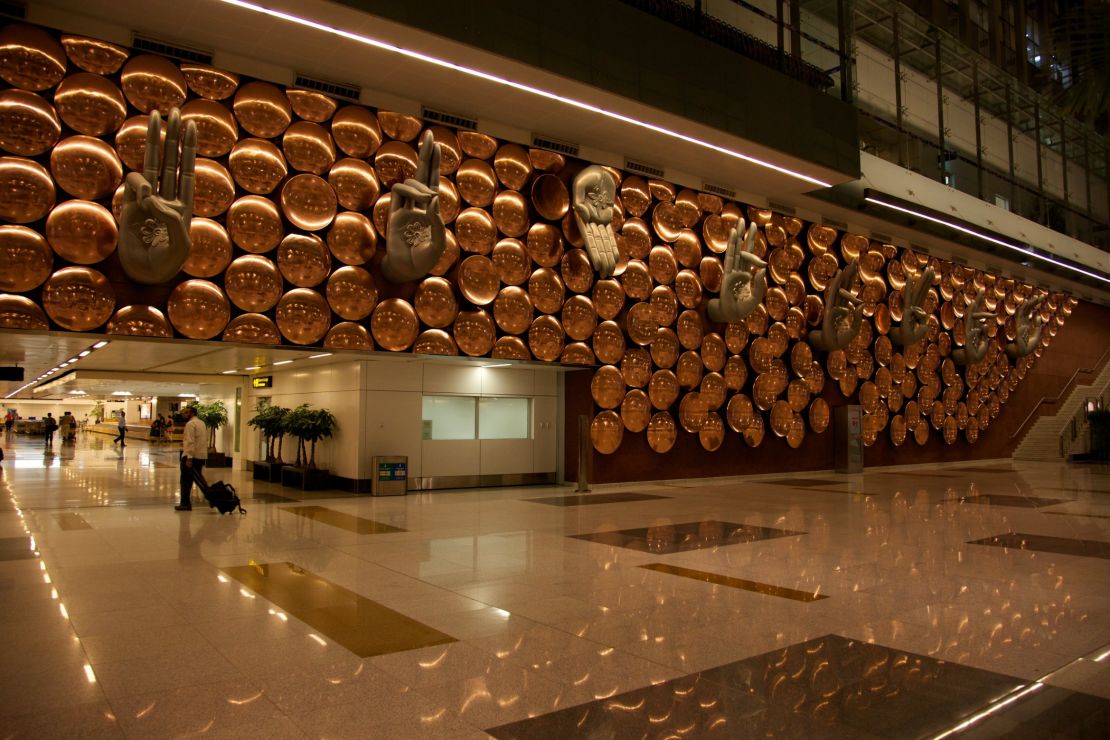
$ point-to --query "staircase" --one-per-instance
(1042, 441)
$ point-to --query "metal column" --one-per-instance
(898, 88)
(978, 131)
(943, 156)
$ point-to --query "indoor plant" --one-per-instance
(214, 416)
(270, 421)
(308, 426)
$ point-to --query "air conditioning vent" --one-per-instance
(884, 238)
(335, 89)
(170, 49)
(13, 10)
(840, 225)
(718, 190)
(448, 119)
(780, 208)
(555, 145)
(644, 169)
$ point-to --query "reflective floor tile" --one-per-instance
(16, 548)
(720, 580)
(670, 538)
(593, 498)
(342, 520)
(1045, 543)
(70, 521)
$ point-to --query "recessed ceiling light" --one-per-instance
(72, 359)
(121, 393)
(323, 354)
(84, 353)
(256, 367)
(228, 372)
(100, 344)
(283, 362)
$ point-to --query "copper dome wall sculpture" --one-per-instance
(292, 200)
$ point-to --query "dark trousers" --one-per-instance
(49, 436)
(187, 479)
(119, 437)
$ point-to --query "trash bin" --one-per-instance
(391, 476)
(848, 439)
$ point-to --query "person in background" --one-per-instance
(50, 425)
(121, 425)
(9, 420)
(68, 425)
(194, 453)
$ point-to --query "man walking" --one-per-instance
(50, 425)
(121, 425)
(194, 453)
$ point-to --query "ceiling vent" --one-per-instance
(884, 238)
(718, 190)
(840, 225)
(644, 169)
(140, 42)
(448, 119)
(780, 208)
(335, 89)
(566, 148)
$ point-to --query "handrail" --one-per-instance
(1068, 387)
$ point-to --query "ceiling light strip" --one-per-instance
(986, 238)
(581, 105)
(70, 361)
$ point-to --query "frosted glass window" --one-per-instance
(450, 417)
(504, 418)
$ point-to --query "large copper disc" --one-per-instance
(449, 258)
(546, 290)
(512, 166)
(355, 183)
(511, 348)
(512, 309)
(512, 261)
(435, 302)
(308, 147)
(356, 131)
(308, 201)
(450, 151)
(351, 293)
(711, 435)
(351, 238)
(635, 410)
(636, 368)
(546, 338)
(28, 124)
(399, 125)
(735, 373)
(474, 332)
(26, 190)
(477, 182)
(578, 273)
(689, 329)
(210, 249)
(131, 141)
(637, 238)
(713, 390)
(198, 309)
(607, 387)
(82, 231)
(478, 280)
(510, 213)
(545, 245)
(209, 82)
(262, 109)
(608, 342)
(636, 280)
(20, 312)
(139, 321)
(25, 259)
(689, 369)
(579, 317)
(713, 352)
(303, 316)
(94, 55)
(257, 165)
(740, 413)
(664, 347)
(396, 162)
(30, 58)
(252, 328)
(217, 131)
(215, 190)
(661, 432)
(86, 167)
(253, 283)
(348, 335)
(663, 389)
(550, 197)
(642, 324)
(311, 106)
(304, 260)
(475, 230)
(153, 83)
(546, 161)
(608, 297)
(254, 224)
(606, 432)
(479, 146)
(435, 342)
(78, 298)
(394, 325)
(662, 266)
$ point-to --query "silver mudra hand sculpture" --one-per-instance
(1029, 326)
(742, 286)
(415, 236)
(594, 196)
(914, 324)
(158, 204)
(976, 341)
(843, 312)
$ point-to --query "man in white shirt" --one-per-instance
(194, 453)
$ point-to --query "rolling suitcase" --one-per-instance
(219, 495)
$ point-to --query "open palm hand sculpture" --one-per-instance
(158, 204)
(594, 196)
(415, 235)
(745, 278)
(843, 312)
(1029, 326)
(976, 340)
(914, 324)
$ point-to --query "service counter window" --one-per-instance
(449, 417)
(468, 417)
(504, 418)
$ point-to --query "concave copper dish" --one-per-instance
(435, 302)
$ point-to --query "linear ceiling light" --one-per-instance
(986, 238)
(581, 105)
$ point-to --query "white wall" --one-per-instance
(39, 409)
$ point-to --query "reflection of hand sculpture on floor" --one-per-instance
(742, 286)
(976, 340)
(415, 237)
(1029, 326)
(843, 312)
(915, 322)
(158, 204)
(594, 196)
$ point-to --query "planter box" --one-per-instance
(305, 479)
(218, 460)
(268, 471)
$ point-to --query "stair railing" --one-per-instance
(1064, 392)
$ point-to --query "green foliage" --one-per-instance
(213, 415)
(270, 421)
(310, 425)
(98, 411)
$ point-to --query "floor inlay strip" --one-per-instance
(349, 522)
(594, 498)
(1024, 502)
(664, 539)
(801, 482)
(361, 625)
(1072, 513)
(16, 548)
(70, 521)
(1046, 543)
(741, 583)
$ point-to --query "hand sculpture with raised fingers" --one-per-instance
(1029, 326)
(843, 312)
(158, 204)
(914, 324)
(415, 235)
(594, 196)
(743, 285)
(976, 340)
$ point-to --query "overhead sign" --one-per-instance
(262, 381)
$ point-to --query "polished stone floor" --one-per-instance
(967, 599)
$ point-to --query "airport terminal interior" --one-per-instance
(612, 369)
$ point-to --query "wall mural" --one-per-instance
(700, 315)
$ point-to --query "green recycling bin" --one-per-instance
(391, 476)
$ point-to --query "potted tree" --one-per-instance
(214, 416)
(308, 426)
(269, 420)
